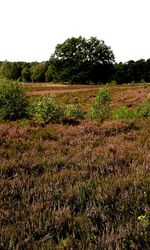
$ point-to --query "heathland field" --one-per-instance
(81, 181)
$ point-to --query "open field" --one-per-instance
(50, 88)
(128, 94)
(80, 184)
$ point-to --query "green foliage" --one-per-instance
(38, 72)
(113, 83)
(49, 74)
(26, 74)
(74, 111)
(100, 109)
(132, 71)
(11, 70)
(145, 219)
(13, 100)
(102, 97)
(122, 112)
(143, 109)
(45, 110)
(80, 60)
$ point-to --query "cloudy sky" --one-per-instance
(30, 29)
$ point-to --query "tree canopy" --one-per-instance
(81, 60)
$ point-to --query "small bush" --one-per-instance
(99, 114)
(113, 83)
(45, 110)
(123, 113)
(74, 111)
(143, 110)
(13, 100)
(103, 96)
(100, 109)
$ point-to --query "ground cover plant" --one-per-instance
(82, 185)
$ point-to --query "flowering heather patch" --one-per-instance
(75, 187)
(79, 186)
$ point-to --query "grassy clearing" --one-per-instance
(78, 185)
(31, 87)
(124, 94)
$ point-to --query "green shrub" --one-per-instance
(113, 83)
(123, 112)
(13, 100)
(103, 96)
(74, 111)
(45, 110)
(100, 109)
(143, 110)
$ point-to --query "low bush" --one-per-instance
(13, 100)
(45, 110)
(143, 110)
(74, 111)
(113, 83)
(100, 109)
(122, 113)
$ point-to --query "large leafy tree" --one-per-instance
(81, 60)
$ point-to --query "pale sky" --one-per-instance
(31, 29)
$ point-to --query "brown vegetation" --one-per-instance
(83, 185)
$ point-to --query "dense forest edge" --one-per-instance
(79, 60)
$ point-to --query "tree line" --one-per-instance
(79, 60)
